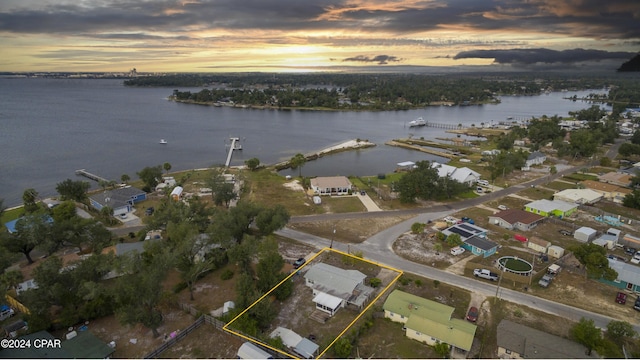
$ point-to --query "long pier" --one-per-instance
(85, 173)
(420, 148)
(233, 146)
(442, 126)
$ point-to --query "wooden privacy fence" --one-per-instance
(203, 319)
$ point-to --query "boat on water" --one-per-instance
(417, 122)
(163, 141)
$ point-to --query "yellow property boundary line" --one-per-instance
(400, 272)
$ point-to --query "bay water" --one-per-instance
(51, 127)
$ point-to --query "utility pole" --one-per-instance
(333, 234)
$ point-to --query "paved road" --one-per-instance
(378, 248)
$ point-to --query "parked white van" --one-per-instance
(482, 182)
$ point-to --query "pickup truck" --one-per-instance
(485, 274)
(546, 280)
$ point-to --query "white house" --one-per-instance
(331, 185)
(535, 158)
(578, 196)
(462, 175)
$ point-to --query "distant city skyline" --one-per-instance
(314, 35)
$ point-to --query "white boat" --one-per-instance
(417, 122)
(163, 141)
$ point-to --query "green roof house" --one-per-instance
(428, 321)
(555, 208)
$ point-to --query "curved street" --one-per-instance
(378, 248)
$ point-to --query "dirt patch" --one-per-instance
(294, 185)
(420, 248)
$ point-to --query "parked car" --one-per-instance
(636, 258)
(621, 298)
(149, 211)
(457, 250)
(298, 263)
(629, 251)
(472, 314)
(5, 312)
(485, 274)
(636, 305)
(565, 232)
(363, 193)
(502, 207)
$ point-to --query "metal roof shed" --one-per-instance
(251, 351)
(584, 234)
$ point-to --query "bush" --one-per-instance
(226, 275)
(179, 287)
(375, 282)
(404, 281)
(417, 228)
(418, 282)
(436, 283)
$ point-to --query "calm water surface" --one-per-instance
(51, 127)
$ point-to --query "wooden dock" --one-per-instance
(234, 146)
(85, 173)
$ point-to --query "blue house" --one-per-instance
(474, 239)
(480, 246)
(628, 276)
(11, 225)
(120, 200)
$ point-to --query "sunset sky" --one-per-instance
(313, 35)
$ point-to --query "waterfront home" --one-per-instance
(120, 200)
(462, 175)
(331, 185)
(428, 321)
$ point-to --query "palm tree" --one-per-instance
(298, 161)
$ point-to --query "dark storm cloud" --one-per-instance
(380, 59)
(546, 56)
(589, 18)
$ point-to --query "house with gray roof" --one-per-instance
(334, 287)
(120, 200)
(480, 246)
(516, 341)
(535, 158)
(301, 346)
(628, 276)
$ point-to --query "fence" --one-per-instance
(203, 319)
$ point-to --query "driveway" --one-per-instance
(368, 202)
